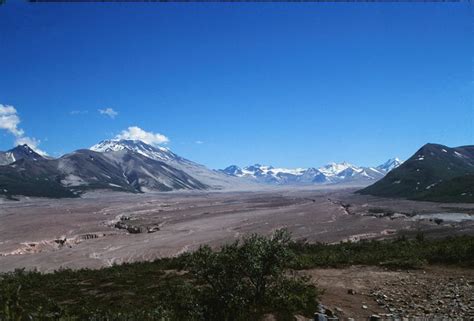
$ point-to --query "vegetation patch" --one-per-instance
(398, 253)
(241, 281)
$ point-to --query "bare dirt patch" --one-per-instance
(359, 292)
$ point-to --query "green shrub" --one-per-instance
(401, 252)
(240, 281)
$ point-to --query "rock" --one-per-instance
(351, 291)
(321, 308)
(134, 229)
(153, 229)
(329, 312)
(364, 307)
(375, 317)
(120, 225)
(60, 241)
(130, 228)
(320, 317)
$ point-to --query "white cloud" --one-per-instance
(136, 133)
(199, 142)
(9, 121)
(109, 112)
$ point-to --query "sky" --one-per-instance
(293, 85)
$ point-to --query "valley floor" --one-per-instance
(106, 228)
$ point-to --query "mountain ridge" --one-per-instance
(332, 173)
(213, 179)
(435, 173)
(122, 165)
(83, 170)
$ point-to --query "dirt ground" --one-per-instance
(106, 228)
(359, 292)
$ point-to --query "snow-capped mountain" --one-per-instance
(390, 164)
(83, 170)
(137, 146)
(262, 170)
(134, 166)
(266, 174)
(233, 170)
(329, 174)
(122, 165)
(334, 169)
(211, 178)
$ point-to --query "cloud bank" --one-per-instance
(136, 133)
(109, 112)
(9, 121)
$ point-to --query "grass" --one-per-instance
(399, 253)
(177, 288)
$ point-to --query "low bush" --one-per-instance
(241, 281)
(402, 252)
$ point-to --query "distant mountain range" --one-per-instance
(121, 165)
(334, 173)
(434, 173)
(134, 166)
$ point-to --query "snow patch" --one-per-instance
(431, 185)
(458, 154)
(73, 180)
(114, 185)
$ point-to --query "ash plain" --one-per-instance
(105, 228)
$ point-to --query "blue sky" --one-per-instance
(291, 85)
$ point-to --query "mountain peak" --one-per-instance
(232, 170)
(19, 152)
(137, 146)
(390, 164)
(435, 172)
(122, 143)
(22, 147)
(432, 147)
(336, 168)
